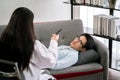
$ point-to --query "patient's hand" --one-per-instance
(55, 37)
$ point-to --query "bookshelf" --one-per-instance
(111, 12)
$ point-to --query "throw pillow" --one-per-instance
(87, 57)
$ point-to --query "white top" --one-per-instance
(42, 58)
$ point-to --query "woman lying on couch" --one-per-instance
(68, 55)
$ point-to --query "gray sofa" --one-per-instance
(97, 70)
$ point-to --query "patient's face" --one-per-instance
(78, 43)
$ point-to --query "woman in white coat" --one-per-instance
(20, 45)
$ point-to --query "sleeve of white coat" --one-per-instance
(45, 57)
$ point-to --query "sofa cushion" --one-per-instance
(74, 69)
(87, 57)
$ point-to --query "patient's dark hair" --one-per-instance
(90, 42)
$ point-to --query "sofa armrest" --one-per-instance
(104, 54)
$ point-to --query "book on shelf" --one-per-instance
(114, 22)
(117, 26)
(80, 1)
(106, 25)
(93, 2)
(97, 23)
(88, 1)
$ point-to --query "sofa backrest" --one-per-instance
(43, 30)
(70, 29)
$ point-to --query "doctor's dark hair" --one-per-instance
(19, 36)
(90, 44)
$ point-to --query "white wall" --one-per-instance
(44, 10)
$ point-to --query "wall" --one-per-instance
(44, 10)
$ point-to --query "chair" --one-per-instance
(9, 70)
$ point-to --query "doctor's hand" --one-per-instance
(55, 37)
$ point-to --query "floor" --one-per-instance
(114, 75)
